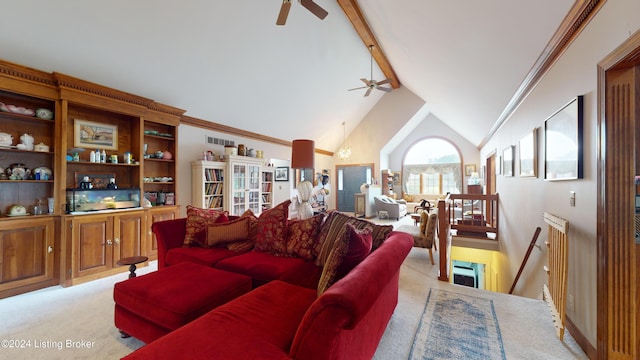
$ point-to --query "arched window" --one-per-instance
(432, 166)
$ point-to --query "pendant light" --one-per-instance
(344, 152)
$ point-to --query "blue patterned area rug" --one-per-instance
(457, 326)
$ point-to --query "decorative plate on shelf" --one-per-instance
(21, 110)
(14, 215)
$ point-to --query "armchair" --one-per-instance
(395, 208)
(424, 236)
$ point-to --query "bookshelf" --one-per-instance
(207, 184)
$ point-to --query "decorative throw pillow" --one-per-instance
(423, 222)
(302, 238)
(331, 267)
(360, 242)
(335, 224)
(249, 243)
(228, 232)
(272, 230)
(197, 222)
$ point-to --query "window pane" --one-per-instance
(449, 184)
(431, 183)
(432, 166)
(413, 184)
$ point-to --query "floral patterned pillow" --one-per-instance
(197, 222)
(302, 238)
(272, 230)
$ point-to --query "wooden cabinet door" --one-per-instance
(157, 214)
(26, 252)
(127, 235)
(92, 244)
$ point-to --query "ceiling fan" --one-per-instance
(372, 84)
(309, 4)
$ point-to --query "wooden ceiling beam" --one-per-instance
(352, 10)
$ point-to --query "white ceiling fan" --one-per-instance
(309, 4)
(373, 84)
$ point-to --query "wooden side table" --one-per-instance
(132, 261)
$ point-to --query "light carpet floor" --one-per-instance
(77, 322)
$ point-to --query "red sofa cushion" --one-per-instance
(260, 266)
(258, 325)
(334, 225)
(360, 243)
(197, 221)
(306, 275)
(178, 294)
(203, 256)
(272, 229)
(302, 237)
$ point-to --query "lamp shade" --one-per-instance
(302, 154)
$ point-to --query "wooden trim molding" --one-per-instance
(208, 125)
(352, 10)
(577, 19)
(26, 73)
(580, 339)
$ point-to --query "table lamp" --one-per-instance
(302, 157)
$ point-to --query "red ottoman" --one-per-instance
(150, 306)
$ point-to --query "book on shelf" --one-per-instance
(214, 202)
(213, 188)
(213, 174)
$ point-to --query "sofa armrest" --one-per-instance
(169, 234)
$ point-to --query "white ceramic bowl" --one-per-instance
(43, 113)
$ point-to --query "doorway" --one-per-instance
(618, 158)
(349, 179)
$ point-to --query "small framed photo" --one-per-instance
(282, 173)
(469, 169)
(88, 134)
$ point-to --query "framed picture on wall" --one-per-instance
(563, 143)
(88, 134)
(507, 161)
(528, 148)
(469, 169)
(282, 173)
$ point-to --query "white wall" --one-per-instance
(525, 199)
(380, 126)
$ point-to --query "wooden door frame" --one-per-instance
(627, 55)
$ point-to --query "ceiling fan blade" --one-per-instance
(385, 81)
(358, 88)
(385, 89)
(366, 81)
(314, 8)
(368, 92)
(284, 12)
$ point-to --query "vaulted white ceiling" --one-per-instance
(228, 62)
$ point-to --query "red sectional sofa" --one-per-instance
(333, 301)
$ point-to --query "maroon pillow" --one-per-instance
(302, 237)
(272, 230)
(197, 222)
(360, 242)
